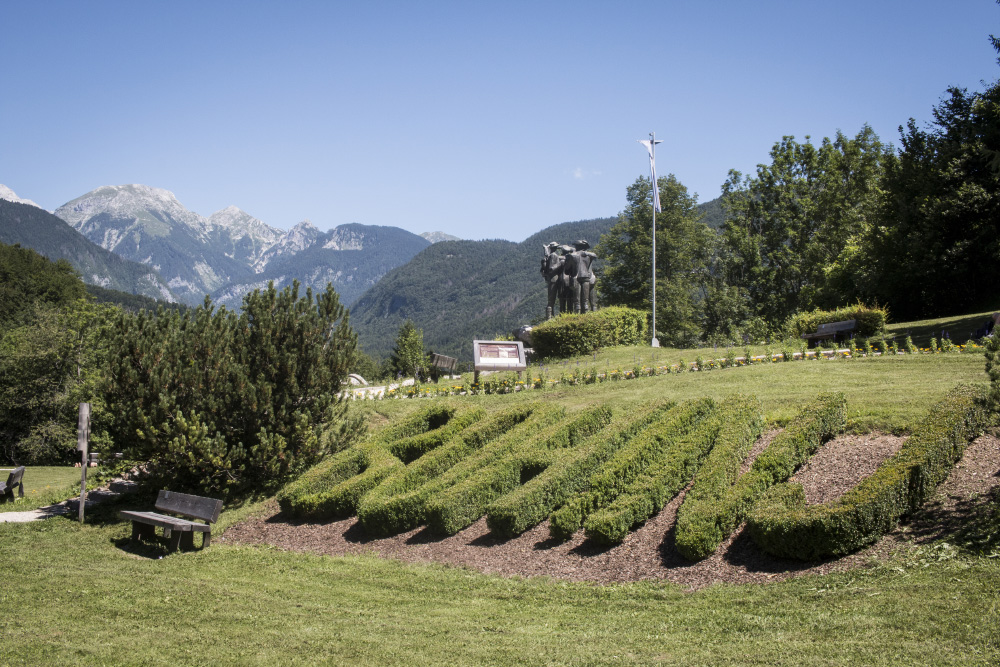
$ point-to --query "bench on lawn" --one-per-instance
(13, 480)
(834, 330)
(441, 362)
(179, 532)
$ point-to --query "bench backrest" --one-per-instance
(196, 507)
(444, 362)
(14, 478)
(832, 327)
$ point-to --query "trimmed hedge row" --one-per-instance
(356, 471)
(816, 423)
(626, 465)
(868, 321)
(530, 504)
(664, 479)
(569, 335)
(300, 497)
(398, 503)
(482, 478)
(783, 525)
(698, 530)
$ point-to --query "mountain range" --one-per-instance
(228, 253)
(141, 240)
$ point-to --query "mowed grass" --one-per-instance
(75, 594)
(44, 485)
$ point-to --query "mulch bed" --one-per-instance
(648, 553)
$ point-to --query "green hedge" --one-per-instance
(816, 423)
(530, 504)
(490, 475)
(569, 335)
(664, 479)
(869, 321)
(300, 497)
(783, 525)
(354, 472)
(699, 531)
(398, 503)
(626, 465)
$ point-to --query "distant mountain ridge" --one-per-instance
(32, 227)
(231, 252)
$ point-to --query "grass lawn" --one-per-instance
(44, 485)
(75, 594)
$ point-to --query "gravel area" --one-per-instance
(648, 552)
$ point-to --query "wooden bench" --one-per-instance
(834, 330)
(441, 362)
(13, 480)
(179, 532)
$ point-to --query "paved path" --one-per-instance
(71, 506)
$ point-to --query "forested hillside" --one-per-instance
(457, 291)
(32, 227)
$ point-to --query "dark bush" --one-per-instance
(570, 335)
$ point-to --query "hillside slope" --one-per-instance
(457, 291)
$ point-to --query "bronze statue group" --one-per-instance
(567, 273)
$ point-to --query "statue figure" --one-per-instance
(583, 278)
(567, 280)
(552, 268)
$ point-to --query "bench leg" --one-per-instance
(173, 539)
(143, 531)
(187, 540)
(206, 539)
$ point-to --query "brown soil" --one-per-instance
(649, 552)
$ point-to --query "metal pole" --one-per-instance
(652, 141)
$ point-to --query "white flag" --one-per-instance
(650, 144)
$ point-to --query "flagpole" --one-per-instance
(650, 145)
(652, 154)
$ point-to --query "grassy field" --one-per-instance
(75, 594)
(44, 485)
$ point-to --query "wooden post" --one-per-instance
(82, 440)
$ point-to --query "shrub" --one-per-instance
(626, 465)
(656, 485)
(570, 335)
(528, 505)
(783, 525)
(817, 422)
(482, 478)
(219, 403)
(333, 487)
(699, 532)
(868, 321)
(397, 503)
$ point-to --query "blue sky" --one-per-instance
(483, 120)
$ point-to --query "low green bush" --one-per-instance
(472, 485)
(333, 488)
(699, 531)
(783, 525)
(868, 321)
(530, 504)
(398, 502)
(663, 480)
(816, 423)
(570, 335)
(626, 465)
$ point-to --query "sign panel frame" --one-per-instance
(498, 355)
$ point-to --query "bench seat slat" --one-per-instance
(163, 521)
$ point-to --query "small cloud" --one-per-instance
(580, 173)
